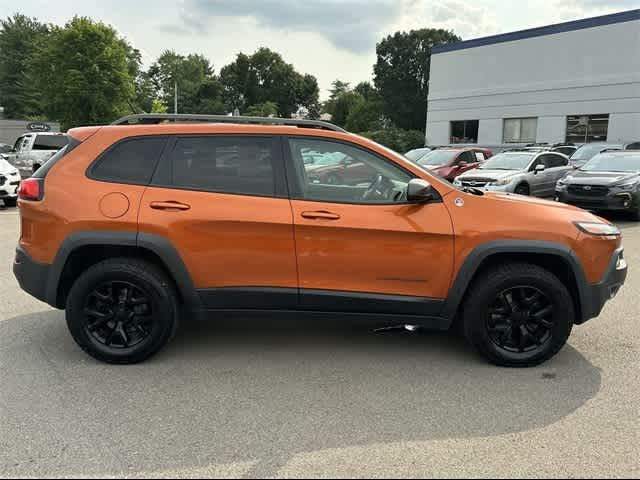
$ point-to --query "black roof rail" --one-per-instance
(155, 119)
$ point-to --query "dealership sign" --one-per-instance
(38, 127)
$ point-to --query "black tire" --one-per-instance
(523, 189)
(635, 215)
(144, 325)
(10, 202)
(498, 335)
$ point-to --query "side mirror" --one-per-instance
(540, 168)
(420, 191)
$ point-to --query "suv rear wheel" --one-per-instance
(122, 311)
(518, 315)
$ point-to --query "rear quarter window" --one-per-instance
(131, 161)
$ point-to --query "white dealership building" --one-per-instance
(573, 82)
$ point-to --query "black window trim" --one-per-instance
(163, 176)
(90, 172)
(295, 189)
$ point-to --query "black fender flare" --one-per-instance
(475, 259)
(154, 243)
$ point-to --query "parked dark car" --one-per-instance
(586, 152)
(567, 150)
(451, 162)
(609, 181)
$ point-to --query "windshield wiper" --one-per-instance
(473, 191)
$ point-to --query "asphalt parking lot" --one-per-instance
(255, 398)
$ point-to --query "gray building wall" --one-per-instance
(585, 71)
(10, 130)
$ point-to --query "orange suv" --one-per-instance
(155, 218)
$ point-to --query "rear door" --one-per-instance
(222, 202)
(557, 167)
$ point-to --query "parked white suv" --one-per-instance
(9, 183)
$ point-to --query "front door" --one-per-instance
(221, 201)
(362, 247)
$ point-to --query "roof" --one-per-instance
(621, 17)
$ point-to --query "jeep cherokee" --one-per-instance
(133, 226)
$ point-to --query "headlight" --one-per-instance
(457, 182)
(595, 228)
(501, 183)
(628, 185)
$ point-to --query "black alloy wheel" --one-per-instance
(520, 320)
(118, 315)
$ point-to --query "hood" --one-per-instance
(512, 197)
(479, 174)
(579, 177)
(6, 168)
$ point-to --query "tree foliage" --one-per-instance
(85, 74)
(402, 74)
(397, 139)
(20, 40)
(266, 77)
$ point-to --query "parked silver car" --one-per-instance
(522, 172)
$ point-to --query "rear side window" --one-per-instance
(50, 142)
(238, 165)
(130, 161)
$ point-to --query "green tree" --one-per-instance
(199, 90)
(20, 39)
(266, 77)
(402, 74)
(85, 74)
(397, 139)
(338, 89)
(364, 116)
(267, 109)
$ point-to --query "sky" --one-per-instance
(331, 39)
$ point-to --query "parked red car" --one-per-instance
(451, 162)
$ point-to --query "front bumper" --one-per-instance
(600, 293)
(613, 201)
(31, 275)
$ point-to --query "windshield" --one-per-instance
(417, 154)
(587, 152)
(607, 162)
(508, 161)
(438, 157)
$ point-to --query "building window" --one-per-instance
(587, 128)
(520, 130)
(465, 131)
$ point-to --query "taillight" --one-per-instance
(31, 189)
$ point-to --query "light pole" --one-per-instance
(175, 97)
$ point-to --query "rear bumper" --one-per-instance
(600, 293)
(32, 276)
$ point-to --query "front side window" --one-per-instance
(18, 145)
(554, 161)
(225, 164)
(520, 130)
(587, 128)
(465, 131)
(352, 175)
(466, 157)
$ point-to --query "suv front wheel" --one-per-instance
(518, 315)
(122, 311)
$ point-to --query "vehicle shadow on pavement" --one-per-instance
(239, 390)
